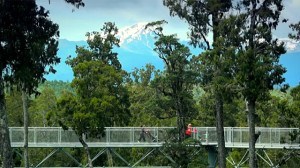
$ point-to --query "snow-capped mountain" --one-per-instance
(135, 32)
(137, 39)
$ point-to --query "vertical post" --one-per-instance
(131, 135)
(108, 135)
(156, 135)
(206, 136)
(34, 135)
(270, 136)
(10, 134)
(279, 137)
(59, 135)
(212, 156)
(241, 135)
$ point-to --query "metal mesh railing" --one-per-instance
(234, 136)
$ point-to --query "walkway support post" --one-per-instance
(212, 156)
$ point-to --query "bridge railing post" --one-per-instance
(59, 135)
(34, 136)
(10, 134)
(270, 136)
(131, 135)
(107, 130)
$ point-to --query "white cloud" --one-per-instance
(74, 25)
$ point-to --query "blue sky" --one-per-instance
(74, 23)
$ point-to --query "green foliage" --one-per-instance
(187, 154)
(144, 76)
(43, 109)
(295, 27)
(28, 46)
(76, 3)
(202, 17)
(14, 108)
(30, 43)
(175, 85)
(101, 99)
(57, 86)
(100, 47)
(170, 91)
(258, 61)
(214, 66)
(143, 99)
(206, 112)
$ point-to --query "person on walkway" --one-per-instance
(142, 134)
(188, 131)
(151, 137)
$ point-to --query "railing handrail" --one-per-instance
(291, 128)
(234, 136)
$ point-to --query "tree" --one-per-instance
(143, 106)
(14, 110)
(76, 3)
(177, 81)
(40, 51)
(295, 27)
(28, 46)
(295, 107)
(203, 17)
(100, 98)
(258, 68)
(44, 109)
(174, 86)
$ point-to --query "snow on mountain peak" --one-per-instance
(134, 32)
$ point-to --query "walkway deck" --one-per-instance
(235, 137)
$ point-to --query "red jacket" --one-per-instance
(188, 131)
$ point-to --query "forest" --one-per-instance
(237, 81)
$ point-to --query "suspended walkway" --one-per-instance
(127, 137)
(235, 137)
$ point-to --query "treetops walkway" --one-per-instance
(235, 137)
(155, 137)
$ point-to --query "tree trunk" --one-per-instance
(219, 102)
(7, 160)
(25, 115)
(251, 102)
(220, 132)
(251, 124)
(109, 158)
(86, 148)
(180, 118)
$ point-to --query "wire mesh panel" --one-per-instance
(228, 134)
(285, 136)
(68, 136)
(119, 135)
(240, 135)
(46, 135)
(265, 136)
(211, 135)
(17, 135)
(31, 136)
(135, 134)
(167, 134)
(234, 136)
(275, 136)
